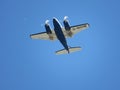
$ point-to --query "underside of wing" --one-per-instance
(74, 29)
(43, 36)
(77, 28)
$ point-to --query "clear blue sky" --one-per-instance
(27, 64)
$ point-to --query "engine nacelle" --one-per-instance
(48, 29)
(67, 25)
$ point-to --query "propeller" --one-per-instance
(65, 18)
(47, 21)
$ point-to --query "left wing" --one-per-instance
(43, 36)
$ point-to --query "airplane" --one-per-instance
(61, 33)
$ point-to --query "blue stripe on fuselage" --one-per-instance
(59, 33)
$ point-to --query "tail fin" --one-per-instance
(71, 49)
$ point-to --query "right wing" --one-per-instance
(77, 28)
(43, 36)
(74, 29)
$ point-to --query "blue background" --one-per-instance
(27, 64)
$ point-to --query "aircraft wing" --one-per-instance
(77, 28)
(43, 36)
(74, 29)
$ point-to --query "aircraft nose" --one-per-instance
(54, 19)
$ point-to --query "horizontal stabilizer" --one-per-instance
(71, 49)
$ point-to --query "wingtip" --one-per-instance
(88, 24)
(30, 36)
